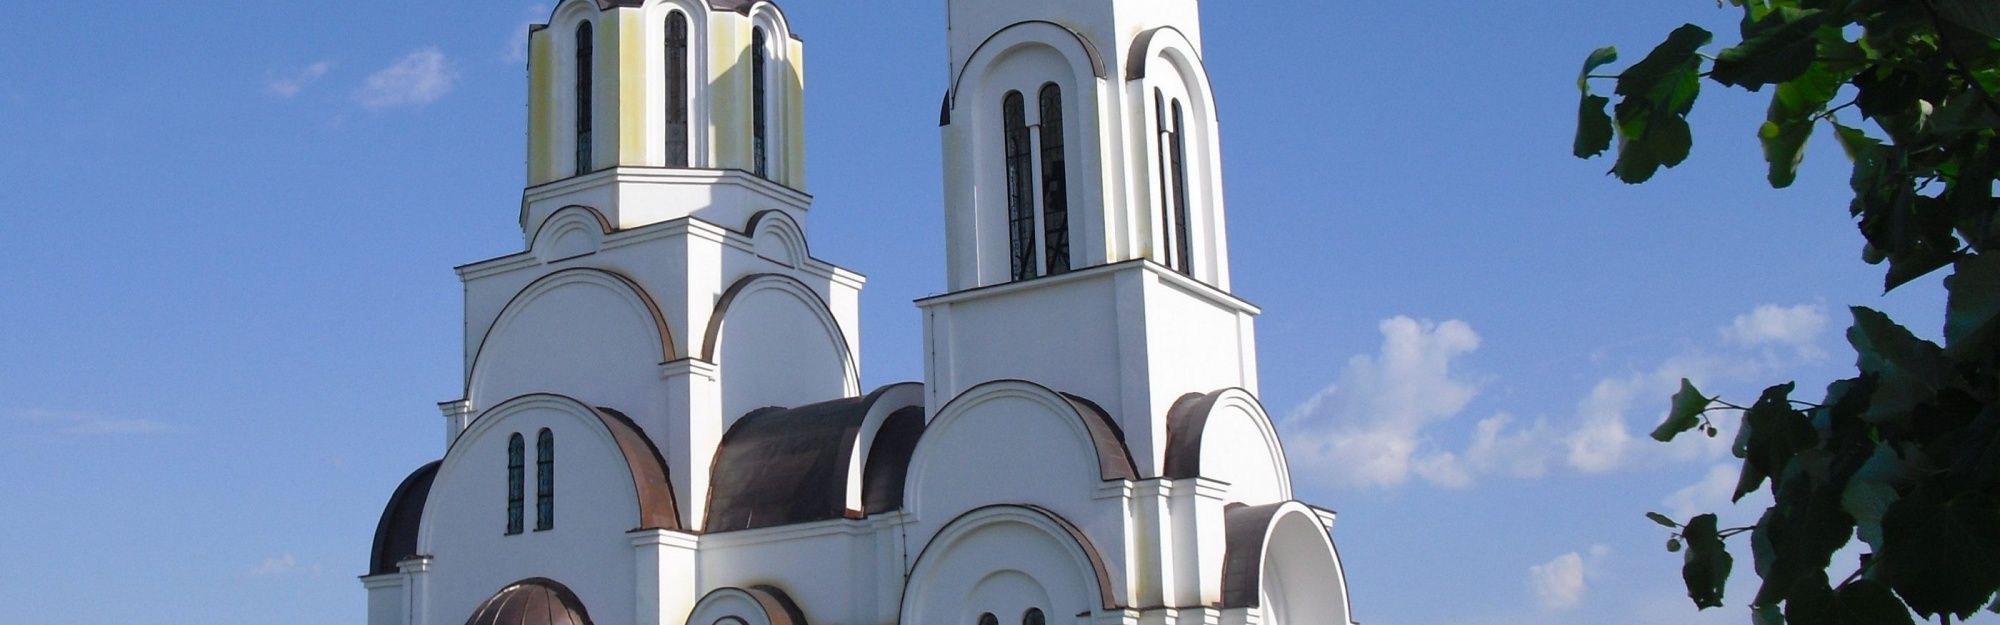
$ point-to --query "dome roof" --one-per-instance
(534, 601)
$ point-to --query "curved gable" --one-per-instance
(783, 466)
(1280, 560)
(1226, 435)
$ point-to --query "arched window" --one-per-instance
(760, 114)
(585, 48)
(677, 89)
(1055, 187)
(515, 466)
(1184, 261)
(988, 619)
(545, 480)
(1034, 617)
(1020, 188)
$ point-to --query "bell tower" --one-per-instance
(1085, 237)
(636, 107)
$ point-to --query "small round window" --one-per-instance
(988, 619)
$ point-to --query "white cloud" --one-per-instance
(1710, 494)
(88, 424)
(414, 81)
(1796, 327)
(1376, 425)
(275, 566)
(1366, 429)
(517, 41)
(285, 85)
(1559, 583)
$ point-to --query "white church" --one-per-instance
(662, 420)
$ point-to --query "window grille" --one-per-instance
(677, 89)
(545, 480)
(1184, 261)
(1055, 178)
(1020, 188)
(759, 106)
(585, 47)
(515, 466)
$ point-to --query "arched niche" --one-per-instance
(777, 343)
(1005, 559)
(1226, 435)
(1025, 57)
(1165, 68)
(581, 332)
(1280, 562)
(756, 605)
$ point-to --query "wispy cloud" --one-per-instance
(284, 565)
(1376, 425)
(289, 83)
(414, 81)
(88, 424)
(517, 41)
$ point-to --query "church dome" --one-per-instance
(534, 601)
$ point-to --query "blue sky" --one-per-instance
(227, 307)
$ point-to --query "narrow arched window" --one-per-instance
(760, 114)
(515, 466)
(1055, 183)
(1034, 617)
(988, 619)
(585, 57)
(1020, 188)
(545, 480)
(1162, 142)
(1184, 260)
(677, 89)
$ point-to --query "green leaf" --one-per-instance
(1662, 520)
(1887, 348)
(1854, 141)
(1658, 92)
(1598, 58)
(1766, 615)
(1593, 127)
(1784, 149)
(1872, 489)
(1781, 49)
(1688, 404)
(1942, 555)
(1705, 568)
(1777, 432)
(1974, 302)
(1859, 602)
(1981, 16)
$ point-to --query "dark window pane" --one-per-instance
(1034, 617)
(988, 619)
(1185, 261)
(585, 45)
(1163, 142)
(1020, 188)
(760, 115)
(677, 89)
(1055, 187)
(515, 465)
(545, 481)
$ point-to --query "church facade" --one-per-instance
(662, 420)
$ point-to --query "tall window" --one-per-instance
(515, 466)
(545, 480)
(677, 89)
(1055, 187)
(1034, 617)
(1020, 189)
(760, 114)
(1038, 240)
(585, 48)
(1174, 211)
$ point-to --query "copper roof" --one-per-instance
(1243, 558)
(780, 466)
(396, 533)
(658, 508)
(1186, 421)
(1114, 459)
(536, 601)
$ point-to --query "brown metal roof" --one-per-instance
(396, 533)
(535, 601)
(780, 466)
(889, 460)
(1186, 421)
(1114, 459)
(658, 508)
(1243, 558)
(777, 605)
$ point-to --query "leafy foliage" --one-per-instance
(1905, 456)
